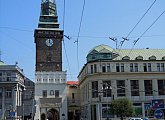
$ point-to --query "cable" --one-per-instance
(17, 29)
(141, 18)
(149, 28)
(79, 34)
(64, 42)
(20, 42)
(122, 42)
(135, 41)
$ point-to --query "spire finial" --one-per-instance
(48, 7)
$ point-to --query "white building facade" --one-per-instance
(50, 96)
(11, 91)
(111, 74)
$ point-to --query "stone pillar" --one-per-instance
(128, 88)
(155, 88)
(114, 89)
(142, 95)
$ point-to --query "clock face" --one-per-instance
(49, 42)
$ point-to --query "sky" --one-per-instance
(100, 20)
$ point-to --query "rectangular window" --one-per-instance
(131, 67)
(117, 67)
(106, 88)
(136, 67)
(95, 68)
(73, 99)
(8, 92)
(158, 67)
(44, 93)
(91, 69)
(148, 87)
(149, 67)
(161, 87)
(108, 67)
(0, 93)
(103, 68)
(134, 87)
(105, 111)
(72, 95)
(162, 67)
(145, 67)
(51, 92)
(122, 67)
(94, 89)
(56, 93)
(120, 88)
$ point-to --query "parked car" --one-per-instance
(135, 118)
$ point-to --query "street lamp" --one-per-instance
(106, 87)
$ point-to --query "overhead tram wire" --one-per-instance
(17, 29)
(135, 41)
(126, 38)
(77, 40)
(64, 42)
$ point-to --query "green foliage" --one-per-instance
(122, 107)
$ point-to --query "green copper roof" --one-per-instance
(2, 63)
(145, 53)
(102, 49)
(105, 52)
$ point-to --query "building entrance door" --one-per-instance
(53, 114)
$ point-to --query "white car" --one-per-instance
(135, 119)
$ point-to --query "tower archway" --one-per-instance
(43, 117)
(53, 114)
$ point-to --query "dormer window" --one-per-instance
(152, 58)
(163, 58)
(139, 58)
(126, 58)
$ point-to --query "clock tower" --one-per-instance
(48, 39)
(50, 80)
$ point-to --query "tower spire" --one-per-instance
(48, 16)
(48, 7)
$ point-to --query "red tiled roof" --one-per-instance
(72, 82)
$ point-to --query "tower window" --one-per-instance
(52, 92)
(44, 93)
(56, 93)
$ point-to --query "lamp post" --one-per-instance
(107, 87)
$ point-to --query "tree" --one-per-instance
(122, 107)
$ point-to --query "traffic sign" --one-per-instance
(158, 113)
(12, 114)
(147, 106)
(158, 104)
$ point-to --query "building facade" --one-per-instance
(73, 98)
(28, 99)
(109, 74)
(50, 86)
(11, 91)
